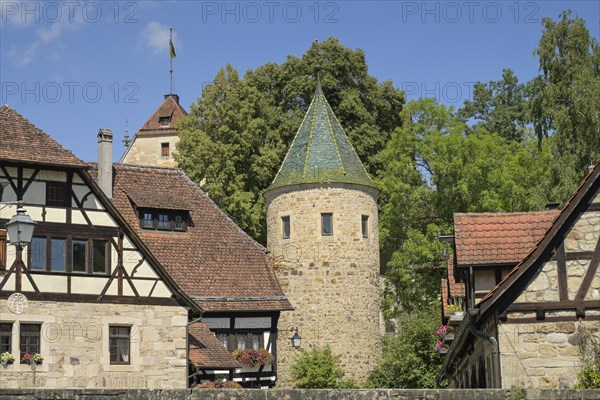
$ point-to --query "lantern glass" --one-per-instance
(296, 340)
(20, 228)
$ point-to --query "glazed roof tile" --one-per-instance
(321, 152)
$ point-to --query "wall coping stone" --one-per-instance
(294, 394)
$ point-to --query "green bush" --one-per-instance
(589, 377)
(317, 369)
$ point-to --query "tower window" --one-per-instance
(164, 121)
(364, 222)
(57, 194)
(164, 149)
(285, 224)
(327, 224)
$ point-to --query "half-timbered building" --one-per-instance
(123, 261)
(522, 322)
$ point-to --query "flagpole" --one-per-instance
(171, 62)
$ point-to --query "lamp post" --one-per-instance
(20, 232)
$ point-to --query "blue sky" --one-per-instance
(74, 67)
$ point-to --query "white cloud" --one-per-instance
(156, 37)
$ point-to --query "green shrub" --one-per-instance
(589, 377)
(317, 369)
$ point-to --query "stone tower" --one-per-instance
(154, 144)
(322, 231)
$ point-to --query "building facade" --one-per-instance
(527, 330)
(322, 231)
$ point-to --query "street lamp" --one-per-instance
(296, 340)
(20, 228)
(20, 232)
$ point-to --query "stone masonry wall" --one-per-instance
(74, 344)
(332, 281)
(296, 394)
(146, 151)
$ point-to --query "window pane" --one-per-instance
(178, 222)
(285, 222)
(147, 223)
(79, 247)
(326, 224)
(119, 339)
(241, 342)
(5, 338)
(57, 256)
(38, 253)
(163, 221)
(30, 338)
(99, 258)
(164, 149)
(365, 225)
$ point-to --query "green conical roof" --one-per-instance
(321, 151)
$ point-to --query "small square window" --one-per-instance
(164, 121)
(285, 224)
(147, 221)
(163, 221)
(327, 224)
(6, 337)
(365, 225)
(164, 150)
(57, 194)
(119, 344)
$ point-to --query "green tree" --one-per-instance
(566, 99)
(409, 358)
(317, 369)
(499, 106)
(434, 168)
(236, 136)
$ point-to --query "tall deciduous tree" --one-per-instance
(236, 136)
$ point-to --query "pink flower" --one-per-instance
(442, 330)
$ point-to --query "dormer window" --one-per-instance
(164, 121)
(163, 220)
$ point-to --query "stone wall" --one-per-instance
(332, 281)
(542, 354)
(74, 344)
(294, 394)
(146, 150)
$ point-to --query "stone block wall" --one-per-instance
(146, 150)
(332, 281)
(74, 344)
(542, 354)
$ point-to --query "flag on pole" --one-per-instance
(171, 47)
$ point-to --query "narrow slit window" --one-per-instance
(327, 224)
(285, 224)
(364, 223)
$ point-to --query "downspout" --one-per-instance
(187, 350)
(472, 313)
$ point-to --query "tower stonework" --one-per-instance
(322, 232)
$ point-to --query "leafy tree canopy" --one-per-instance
(236, 135)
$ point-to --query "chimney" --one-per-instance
(105, 178)
(174, 96)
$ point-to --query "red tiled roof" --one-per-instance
(214, 262)
(491, 238)
(22, 141)
(536, 251)
(205, 349)
(169, 108)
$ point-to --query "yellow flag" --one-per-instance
(172, 48)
